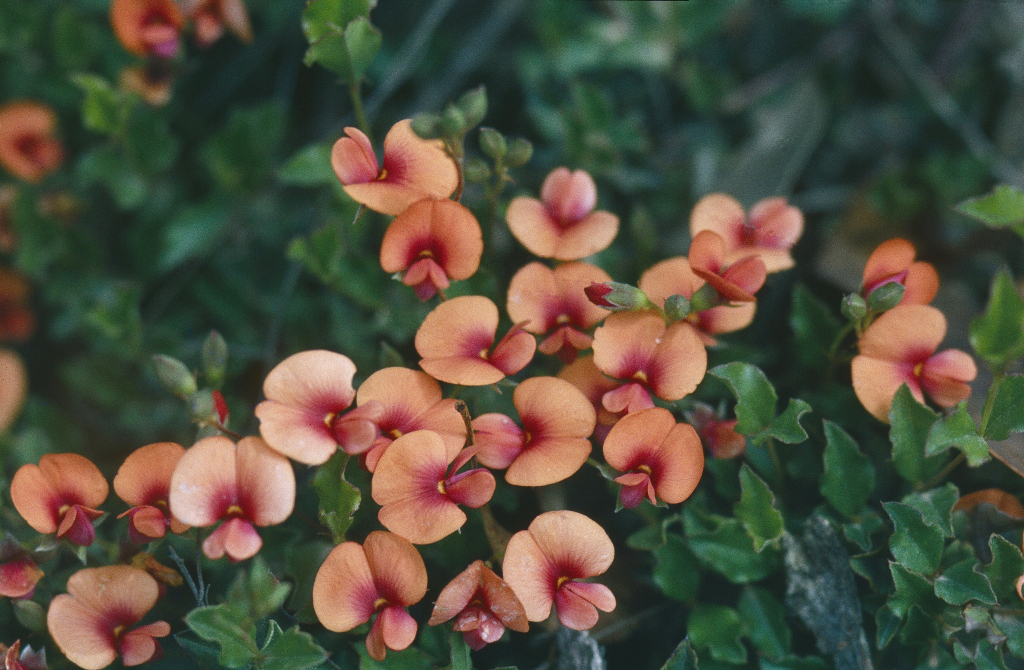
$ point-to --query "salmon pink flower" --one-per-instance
(899, 348)
(770, 231)
(13, 387)
(661, 459)
(409, 400)
(893, 261)
(383, 576)
(28, 660)
(432, 242)
(718, 434)
(28, 148)
(553, 303)
(211, 17)
(557, 419)
(584, 375)
(651, 357)
(1005, 502)
(413, 169)
(562, 224)
(455, 342)
(735, 282)
(144, 481)
(483, 604)
(674, 277)
(246, 485)
(303, 416)
(420, 494)
(544, 564)
(92, 622)
(148, 27)
(60, 495)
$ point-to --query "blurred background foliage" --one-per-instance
(220, 211)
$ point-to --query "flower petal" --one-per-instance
(145, 476)
(343, 591)
(204, 484)
(14, 385)
(530, 574)
(397, 568)
(266, 482)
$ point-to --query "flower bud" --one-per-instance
(201, 405)
(854, 307)
(453, 122)
(29, 614)
(886, 296)
(519, 153)
(473, 105)
(215, 357)
(616, 297)
(427, 126)
(476, 170)
(174, 375)
(677, 307)
(493, 143)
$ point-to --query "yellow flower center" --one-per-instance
(441, 489)
(640, 376)
(644, 469)
(234, 510)
(562, 580)
(329, 418)
(918, 368)
(395, 433)
(379, 604)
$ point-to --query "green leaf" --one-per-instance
(1012, 626)
(363, 41)
(764, 620)
(795, 663)
(242, 154)
(407, 659)
(1006, 415)
(786, 426)
(204, 652)
(758, 510)
(887, 623)
(717, 629)
(648, 538)
(1002, 208)
(1005, 569)
(228, 628)
(309, 166)
(106, 165)
(729, 551)
(755, 396)
(814, 327)
(339, 500)
(104, 109)
(911, 421)
(936, 506)
(341, 37)
(915, 544)
(677, 572)
(325, 17)
(998, 334)
(962, 583)
(983, 656)
(258, 593)
(849, 476)
(683, 658)
(863, 529)
(293, 650)
(957, 430)
(911, 589)
(192, 232)
(461, 659)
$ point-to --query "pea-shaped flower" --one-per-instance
(147, 27)
(893, 261)
(769, 232)
(60, 495)
(144, 481)
(482, 605)
(28, 147)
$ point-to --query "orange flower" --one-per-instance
(660, 458)
(893, 261)
(674, 277)
(147, 27)
(212, 16)
(484, 605)
(770, 232)
(552, 444)
(562, 224)
(899, 347)
(432, 242)
(92, 622)
(420, 495)
(455, 342)
(638, 347)
(16, 320)
(383, 576)
(245, 485)
(144, 481)
(552, 302)
(28, 148)
(409, 400)
(414, 169)
(13, 387)
(28, 660)
(302, 416)
(735, 282)
(60, 495)
(718, 435)
(544, 563)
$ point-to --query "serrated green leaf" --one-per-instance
(786, 426)
(887, 623)
(910, 422)
(849, 476)
(677, 572)
(407, 659)
(861, 531)
(729, 551)
(1005, 569)
(309, 166)
(957, 430)
(755, 396)
(324, 17)
(339, 500)
(293, 650)
(998, 334)
(683, 658)
(936, 506)
(757, 509)
(962, 583)
(915, 544)
(1002, 208)
(1006, 415)
(764, 620)
(911, 589)
(983, 655)
(717, 629)
(1012, 626)
(231, 630)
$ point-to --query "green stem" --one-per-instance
(355, 92)
(990, 401)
